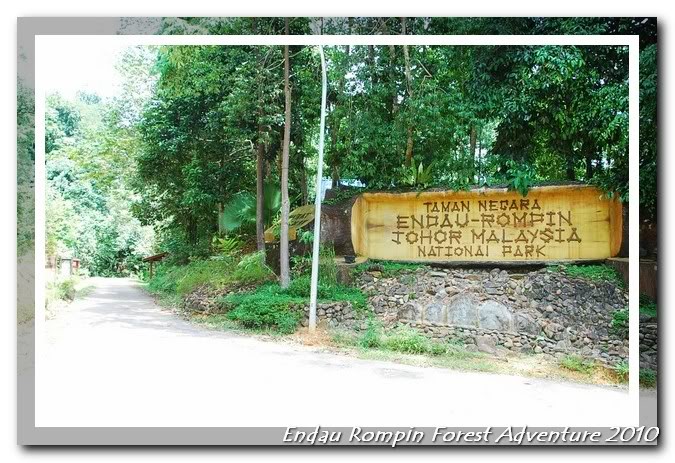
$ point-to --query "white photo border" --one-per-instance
(631, 41)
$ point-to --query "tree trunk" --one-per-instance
(408, 79)
(570, 167)
(392, 80)
(260, 193)
(285, 206)
(260, 174)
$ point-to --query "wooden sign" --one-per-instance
(552, 223)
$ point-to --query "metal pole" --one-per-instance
(317, 201)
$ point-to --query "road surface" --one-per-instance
(114, 358)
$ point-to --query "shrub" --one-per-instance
(619, 324)
(578, 364)
(64, 289)
(226, 245)
(621, 370)
(593, 272)
(387, 268)
(647, 306)
(263, 312)
(252, 269)
(409, 341)
(371, 337)
(647, 377)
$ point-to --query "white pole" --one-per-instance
(317, 201)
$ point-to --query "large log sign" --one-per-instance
(552, 223)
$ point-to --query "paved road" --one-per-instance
(114, 358)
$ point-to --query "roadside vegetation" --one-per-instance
(592, 272)
(62, 291)
(584, 369)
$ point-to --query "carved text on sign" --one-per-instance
(575, 223)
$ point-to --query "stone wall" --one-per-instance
(535, 312)
(539, 311)
(648, 344)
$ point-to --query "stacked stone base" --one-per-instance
(558, 315)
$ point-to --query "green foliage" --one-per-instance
(306, 236)
(372, 336)
(240, 211)
(259, 311)
(183, 279)
(63, 289)
(88, 213)
(520, 177)
(578, 364)
(621, 369)
(252, 269)
(647, 378)
(647, 306)
(619, 325)
(408, 340)
(416, 175)
(387, 268)
(342, 194)
(593, 272)
(226, 245)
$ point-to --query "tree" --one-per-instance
(283, 242)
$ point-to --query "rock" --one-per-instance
(495, 316)
(409, 312)
(463, 310)
(538, 350)
(526, 323)
(486, 344)
(434, 313)
(437, 274)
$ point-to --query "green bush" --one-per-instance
(647, 306)
(215, 272)
(226, 245)
(619, 324)
(372, 336)
(65, 289)
(252, 269)
(578, 364)
(410, 341)
(593, 272)
(387, 268)
(262, 312)
(647, 378)
(621, 370)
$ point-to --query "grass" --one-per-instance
(62, 291)
(619, 324)
(388, 269)
(270, 306)
(647, 378)
(181, 280)
(403, 345)
(647, 306)
(592, 272)
(577, 364)
(621, 370)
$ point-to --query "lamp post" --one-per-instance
(317, 200)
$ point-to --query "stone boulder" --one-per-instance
(495, 316)
(463, 310)
(486, 344)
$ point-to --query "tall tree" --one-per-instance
(283, 244)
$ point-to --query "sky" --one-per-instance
(82, 65)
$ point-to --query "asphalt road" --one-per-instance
(114, 358)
